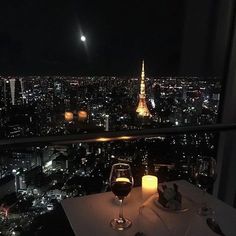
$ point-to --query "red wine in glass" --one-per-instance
(121, 188)
(121, 182)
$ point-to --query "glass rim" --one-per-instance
(122, 165)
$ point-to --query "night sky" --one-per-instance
(43, 37)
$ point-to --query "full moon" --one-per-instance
(83, 38)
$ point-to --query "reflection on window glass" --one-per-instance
(43, 106)
(88, 164)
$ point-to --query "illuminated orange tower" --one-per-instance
(142, 109)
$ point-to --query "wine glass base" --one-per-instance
(120, 224)
(204, 211)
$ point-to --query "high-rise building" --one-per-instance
(13, 91)
(12, 87)
(22, 97)
(142, 109)
(106, 122)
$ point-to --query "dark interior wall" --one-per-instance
(205, 37)
(225, 186)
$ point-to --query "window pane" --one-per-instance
(182, 44)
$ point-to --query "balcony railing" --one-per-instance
(118, 135)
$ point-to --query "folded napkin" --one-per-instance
(184, 223)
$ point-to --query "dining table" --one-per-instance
(91, 215)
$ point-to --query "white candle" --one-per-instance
(149, 185)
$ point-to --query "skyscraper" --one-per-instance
(142, 109)
(16, 91)
(12, 87)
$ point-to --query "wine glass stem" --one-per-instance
(121, 209)
(204, 203)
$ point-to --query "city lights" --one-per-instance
(63, 105)
(87, 84)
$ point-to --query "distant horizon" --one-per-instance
(121, 76)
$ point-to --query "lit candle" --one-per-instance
(149, 185)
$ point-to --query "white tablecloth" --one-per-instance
(90, 215)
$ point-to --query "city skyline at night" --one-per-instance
(87, 84)
(35, 178)
(39, 103)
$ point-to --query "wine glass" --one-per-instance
(121, 182)
(205, 176)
